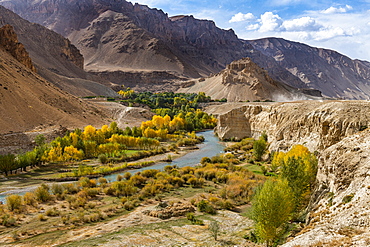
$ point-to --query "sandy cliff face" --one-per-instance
(317, 125)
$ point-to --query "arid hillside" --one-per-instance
(332, 73)
(28, 101)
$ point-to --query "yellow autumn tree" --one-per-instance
(55, 154)
(89, 133)
(72, 153)
(158, 122)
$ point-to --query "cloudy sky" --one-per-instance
(340, 25)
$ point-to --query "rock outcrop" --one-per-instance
(243, 80)
(9, 41)
(317, 125)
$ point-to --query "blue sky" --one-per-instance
(343, 26)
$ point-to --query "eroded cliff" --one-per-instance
(315, 124)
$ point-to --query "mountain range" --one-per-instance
(123, 42)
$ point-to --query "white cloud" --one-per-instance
(253, 26)
(305, 23)
(329, 33)
(270, 22)
(334, 10)
(239, 17)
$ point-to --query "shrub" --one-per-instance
(205, 206)
(205, 160)
(92, 192)
(42, 193)
(52, 212)
(57, 189)
(127, 175)
(102, 181)
(14, 202)
(348, 198)
(71, 188)
(190, 216)
(87, 183)
(42, 217)
(103, 158)
(110, 191)
(129, 205)
(29, 198)
(7, 220)
(196, 182)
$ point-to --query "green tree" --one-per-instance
(259, 148)
(299, 178)
(40, 140)
(7, 163)
(272, 207)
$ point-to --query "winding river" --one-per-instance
(209, 148)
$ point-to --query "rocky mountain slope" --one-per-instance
(54, 57)
(27, 101)
(332, 73)
(244, 80)
(121, 41)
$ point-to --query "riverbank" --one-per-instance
(186, 156)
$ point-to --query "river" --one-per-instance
(209, 148)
